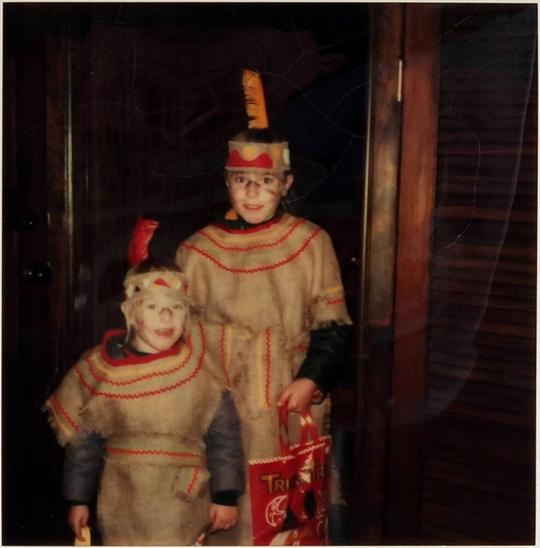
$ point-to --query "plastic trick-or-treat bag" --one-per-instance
(289, 492)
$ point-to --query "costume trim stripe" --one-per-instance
(268, 355)
(225, 351)
(194, 478)
(260, 350)
(106, 380)
(335, 301)
(115, 395)
(132, 360)
(253, 246)
(156, 452)
(255, 270)
(59, 422)
(61, 413)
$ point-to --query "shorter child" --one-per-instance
(144, 414)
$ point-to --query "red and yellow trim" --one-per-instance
(260, 245)
(64, 420)
(108, 375)
(257, 269)
(192, 365)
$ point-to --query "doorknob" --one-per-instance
(37, 273)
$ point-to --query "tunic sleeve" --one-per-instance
(330, 331)
(328, 297)
(224, 449)
(83, 463)
(65, 405)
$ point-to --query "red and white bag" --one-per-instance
(289, 492)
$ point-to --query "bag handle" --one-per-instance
(308, 428)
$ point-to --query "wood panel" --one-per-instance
(377, 292)
(416, 195)
(479, 444)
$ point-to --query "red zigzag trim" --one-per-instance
(254, 246)
(257, 269)
(64, 413)
(189, 378)
(193, 480)
(102, 379)
(268, 335)
(157, 452)
(222, 352)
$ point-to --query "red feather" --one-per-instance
(142, 235)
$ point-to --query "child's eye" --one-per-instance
(240, 179)
(151, 306)
(178, 306)
(268, 180)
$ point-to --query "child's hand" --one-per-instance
(222, 517)
(78, 518)
(298, 395)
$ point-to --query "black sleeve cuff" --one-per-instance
(225, 498)
(77, 503)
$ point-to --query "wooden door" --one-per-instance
(447, 451)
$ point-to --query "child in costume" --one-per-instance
(275, 273)
(145, 415)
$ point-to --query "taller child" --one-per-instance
(262, 268)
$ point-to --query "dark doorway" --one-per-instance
(117, 110)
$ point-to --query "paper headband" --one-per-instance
(255, 156)
(149, 283)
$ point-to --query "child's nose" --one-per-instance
(252, 188)
(166, 313)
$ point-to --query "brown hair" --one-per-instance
(254, 135)
(154, 265)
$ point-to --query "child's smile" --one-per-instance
(158, 323)
(256, 196)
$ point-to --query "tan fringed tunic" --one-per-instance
(153, 412)
(282, 280)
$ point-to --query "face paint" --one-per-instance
(158, 322)
(256, 196)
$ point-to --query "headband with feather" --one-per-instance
(140, 284)
(254, 155)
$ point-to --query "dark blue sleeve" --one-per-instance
(225, 453)
(83, 464)
(325, 356)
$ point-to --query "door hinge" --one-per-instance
(399, 81)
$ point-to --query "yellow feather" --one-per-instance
(255, 103)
